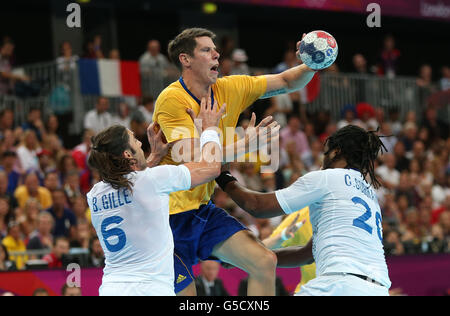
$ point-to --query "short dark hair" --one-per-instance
(185, 43)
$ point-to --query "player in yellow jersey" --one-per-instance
(299, 237)
(200, 229)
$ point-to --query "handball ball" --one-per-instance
(318, 50)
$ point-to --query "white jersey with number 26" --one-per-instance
(346, 221)
(133, 227)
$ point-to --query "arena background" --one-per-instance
(264, 30)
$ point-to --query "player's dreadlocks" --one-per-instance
(107, 156)
(359, 148)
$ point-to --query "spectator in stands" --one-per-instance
(14, 242)
(389, 57)
(114, 54)
(348, 114)
(292, 133)
(138, 125)
(72, 186)
(51, 181)
(152, 61)
(65, 220)
(240, 67)
(70, 290)
(66, 165)
(360, 64)
(123, 116)
(147, 108)
(389, 175)
(40, 292)
(34, 122)
(82, 235)
(67, 60)
(96, 254)
(208, 283)
(425, 83)
(445, 79)
(4, 194)
(5, 263)
(8, 163)
(60, 248)
(28, 217)
(5, 215)
(6, 120)
(281, 107)
(32, 189)
(437, 128)
(392, 243)
(280, 289)
(94, 48)
(27, 151)
(99, 118)
(52, 128)
(80, 208)
(7, 77)
(81, 151)
(42, 238)
(389, 141)
(46, 163)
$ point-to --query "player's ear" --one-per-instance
(184, 59)
(127, 154)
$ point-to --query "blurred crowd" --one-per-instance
(43, 182)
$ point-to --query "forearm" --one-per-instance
(257, 204)
(288, 81)
(273, 242)
(209, 166)
(292, 257)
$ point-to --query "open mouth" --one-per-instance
(215, 68)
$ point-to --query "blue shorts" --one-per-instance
(195, 234)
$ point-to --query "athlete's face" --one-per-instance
(136, 145)
(205, 62)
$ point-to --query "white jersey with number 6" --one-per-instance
(134, 230)
(346, 221)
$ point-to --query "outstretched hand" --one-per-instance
(208, 116)
(263, 133)
(157, 141)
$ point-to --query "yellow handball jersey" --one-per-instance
(238, 92)
(301, 237)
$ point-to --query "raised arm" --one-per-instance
(289, 80)
(208, 168)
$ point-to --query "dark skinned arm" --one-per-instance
(257, 204)
(295, 256)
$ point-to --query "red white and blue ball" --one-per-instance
(318, 50)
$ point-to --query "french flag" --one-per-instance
(109, 78)
(309, 93)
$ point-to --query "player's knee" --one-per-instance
(266, 263)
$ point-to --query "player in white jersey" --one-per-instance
(344, 212)
(130, 206)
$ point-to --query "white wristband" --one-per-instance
(209, 136)
(283, 235)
